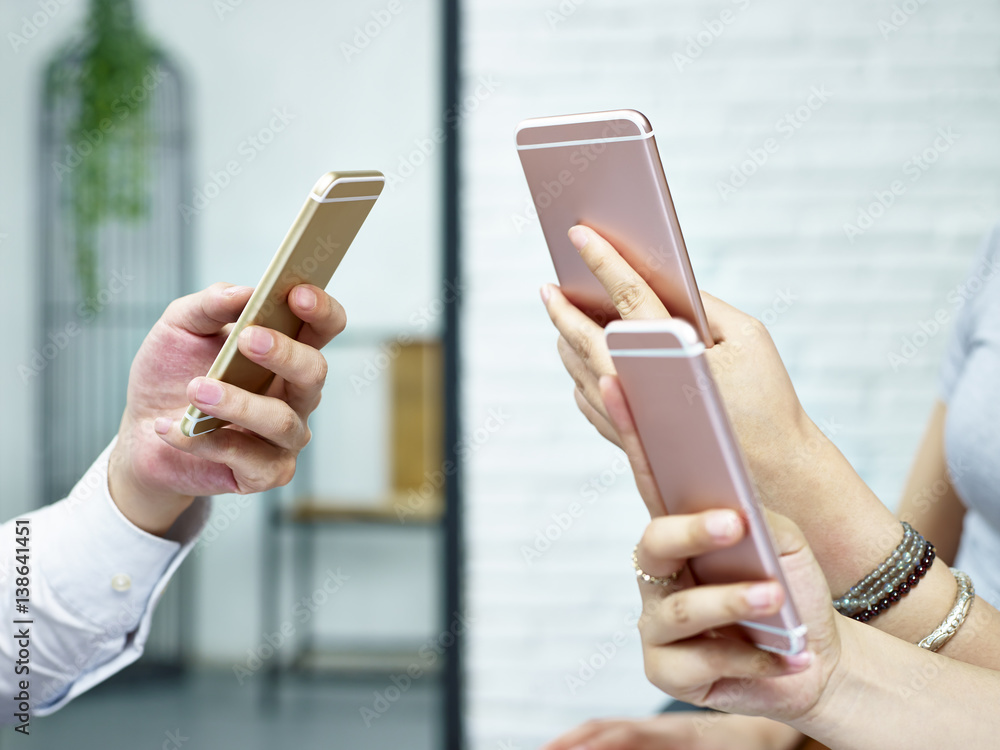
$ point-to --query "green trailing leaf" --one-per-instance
(110, 80)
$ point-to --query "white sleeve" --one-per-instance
(94, 579)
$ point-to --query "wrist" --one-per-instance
(149, 508)
(843, 687)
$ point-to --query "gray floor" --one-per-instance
(209, 710)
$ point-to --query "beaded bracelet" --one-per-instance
(891, 580)
(888, 574)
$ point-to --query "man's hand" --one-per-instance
(156, 472)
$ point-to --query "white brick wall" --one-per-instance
(781, 232)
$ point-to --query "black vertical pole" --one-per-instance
(453, 558)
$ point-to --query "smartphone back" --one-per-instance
(695, 457)
(310, 253)
(603, 170)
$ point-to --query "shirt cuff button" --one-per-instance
(121, 582)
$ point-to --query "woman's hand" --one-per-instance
(766, 414)
(689, 648)
(680, 731)
(155, 471)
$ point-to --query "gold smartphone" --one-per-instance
(311, 251)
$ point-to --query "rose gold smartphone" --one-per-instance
(696, 460)
(602, 170)
(311, 251)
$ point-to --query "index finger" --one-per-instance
(631, 295)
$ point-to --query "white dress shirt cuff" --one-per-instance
(106, 570)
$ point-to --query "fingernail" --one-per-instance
(546, 292)
(722, 524)
(305, 298)
(208, 392)
(578, 236)
(232, 291)
(260, 340)
(799, 662)
(162, 425)
(761, 596)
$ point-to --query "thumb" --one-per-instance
(208, 311)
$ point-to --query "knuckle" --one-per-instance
(228, 450)
(239, 404)
(287, 421)
(284, 470)
(680, 609)
(583, 345)
(320, 371)
(627, 297)
(598, 263)
(735, 607)
(763, 663)
(251, 484)
(339, 317)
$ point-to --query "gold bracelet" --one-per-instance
(963, 603)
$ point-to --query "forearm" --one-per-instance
(888, 693)
(849, 529)
(851, 532)
(929, 502)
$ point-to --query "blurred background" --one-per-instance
(852, 97)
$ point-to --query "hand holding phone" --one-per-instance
(326, 226)
(602, 170)
(696, 460)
